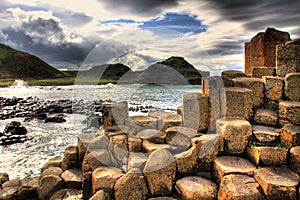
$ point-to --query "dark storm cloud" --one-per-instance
(258, 14)
(72, 54)
(143, 7)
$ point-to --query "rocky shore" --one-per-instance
(238, 139)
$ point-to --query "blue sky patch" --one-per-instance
(176, 23)
(179, 22)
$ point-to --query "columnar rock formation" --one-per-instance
(239, 139)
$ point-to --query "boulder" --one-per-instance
(265, 117)
(231, 165)
(214, 88)
(139, 123)
(238, 102)
(180, 136)
(257, 87)
(295, 159)
(14, 132)
(3, 178)
(149, 147)
(195, 110)
(134, 144)
(67, 194)
(265, 135)
(291, 86)
(236, 133)
(289, 111)
(238, 186)
(9, 189)
(55, 171)
(132, 185)
(228, 75)
(59, 118)
(104, 178)
(72, 178)
(167, 121)
(137, 160)
(83, 141)
(287, 59)
(267, 156)
(49, 185)
(70, 159)
(152, 135)
(290, 135)
(187, 162)
(209, 146)
(53, 162)
(28, 188)
(160, 172)
(277, 182)
(114, 114)
(101, 195)
(195, 187)
(273, 91)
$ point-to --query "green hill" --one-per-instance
(16, 64)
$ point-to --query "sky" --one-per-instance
(73, 34)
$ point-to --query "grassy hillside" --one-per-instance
(16, 64)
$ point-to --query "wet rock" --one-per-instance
(237, 186)
(132, 185)
(231, 165)
(14, 132)
(55, 119)
(49, 185)
(72, 178)
(277, 182)
(290, 135)
(10, 189)
(195, 187)
(295, 159)
(70, 159)
(28, 188)
(3, 178)
(104, 178)
(160, 172)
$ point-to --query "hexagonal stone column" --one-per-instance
(238, 186)
(292, 86)
(289, 112)
(277, 182)
(236, 133)
(195, 187)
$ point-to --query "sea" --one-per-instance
(50, 139)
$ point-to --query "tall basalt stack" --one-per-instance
(261, 50)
